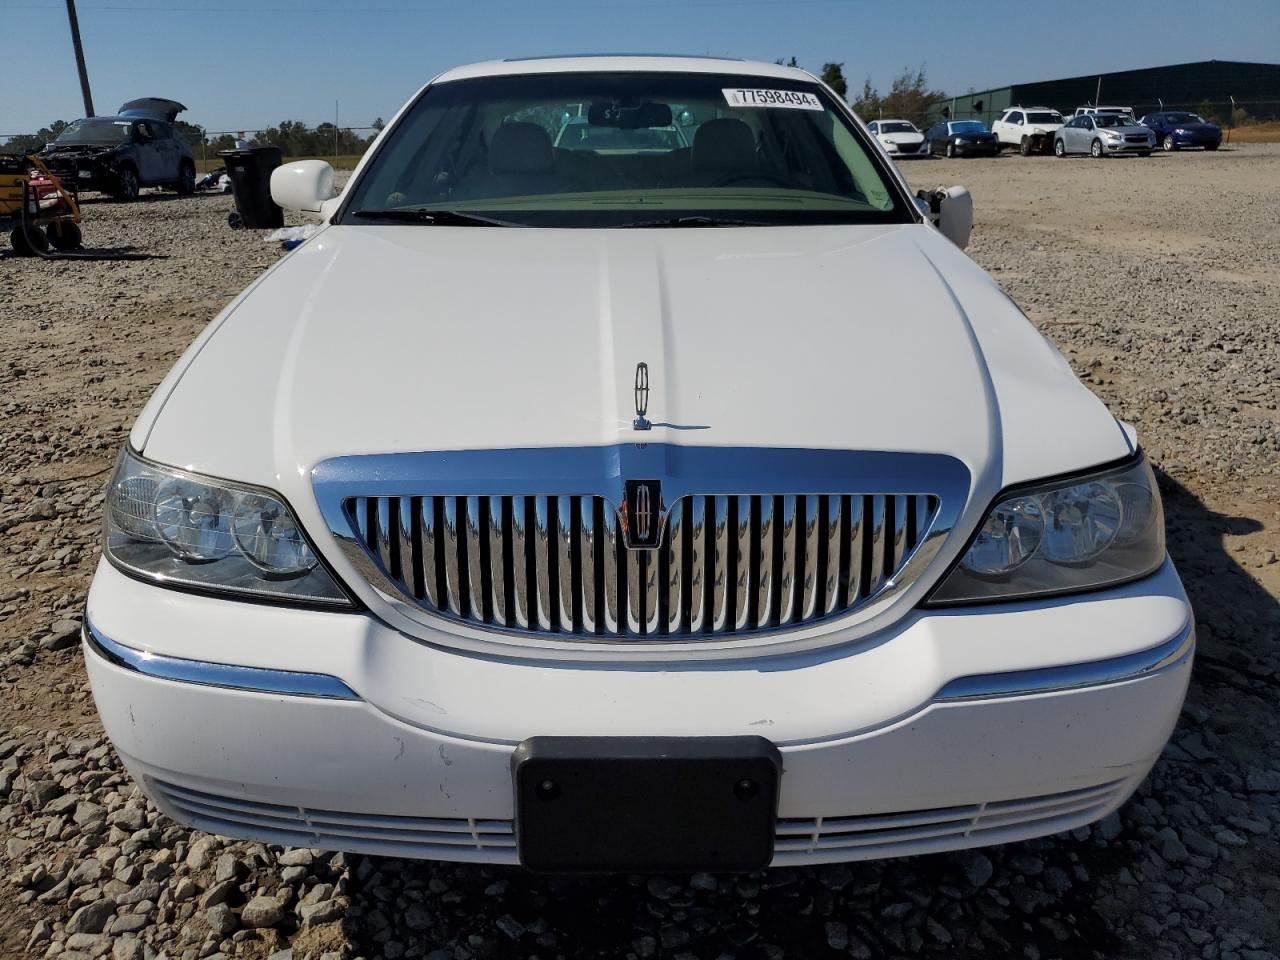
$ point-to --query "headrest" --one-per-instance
(521, 148)
(724, 144)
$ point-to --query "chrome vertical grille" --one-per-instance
(727, 565)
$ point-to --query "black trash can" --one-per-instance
(250, 173)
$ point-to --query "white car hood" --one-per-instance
(381, 339)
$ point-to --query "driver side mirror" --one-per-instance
(951, 210)
(304, 185)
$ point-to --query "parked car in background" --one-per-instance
(900, 138)
(962, 138)
(756, 629)
(1175, 129)
(1102, 135)
(118, 155)
(1089, 110)
(1030, 129)
(579, 134)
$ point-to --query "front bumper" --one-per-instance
(902, 150)
(977, 149)
(1125, 147)
(85, 174)
(904, 744)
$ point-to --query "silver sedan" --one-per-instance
(1103, 134)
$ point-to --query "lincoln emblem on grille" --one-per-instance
(641, 514)
(642, 397)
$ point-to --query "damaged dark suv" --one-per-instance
(118, 155)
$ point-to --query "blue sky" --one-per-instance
(251, 63)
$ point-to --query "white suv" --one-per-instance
(647, 507)
(1030, 129)
(1089, 111)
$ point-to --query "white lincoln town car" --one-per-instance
(679, 497)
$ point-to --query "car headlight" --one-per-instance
(1110, 135)
(182, 529)
(1082, 533)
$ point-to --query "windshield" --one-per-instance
(1183, 118)
(897, 126)
(1113, 120)
(1044, 118)
(96, 130)
(969, 126)
(614, 149)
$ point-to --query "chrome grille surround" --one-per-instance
(526, 543)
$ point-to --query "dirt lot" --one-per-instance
(1159, 279)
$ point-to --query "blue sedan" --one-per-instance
(1176, 129)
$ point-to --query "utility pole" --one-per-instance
(75, 42)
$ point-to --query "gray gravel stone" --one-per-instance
(1263, 781)
(221, 919)
(837, 935)
(92, 917)
(64, 634)
(977, 868)
(323, 912)
(262, 912)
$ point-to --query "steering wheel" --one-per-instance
(734, 178)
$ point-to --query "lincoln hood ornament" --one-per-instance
(642, 398)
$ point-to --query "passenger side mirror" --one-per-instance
(303, 185)
(951, 211)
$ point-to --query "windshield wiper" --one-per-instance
(696, 221)
(444, 218)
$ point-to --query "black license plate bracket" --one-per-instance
(652, 804)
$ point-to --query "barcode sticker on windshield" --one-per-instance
(787, 99)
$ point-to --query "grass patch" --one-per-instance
(1256, 133)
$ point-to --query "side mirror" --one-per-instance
(303, 185)
(951, 210)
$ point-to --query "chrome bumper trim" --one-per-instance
(1094, 673)
(251, 679)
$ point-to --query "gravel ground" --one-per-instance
(1158, 279)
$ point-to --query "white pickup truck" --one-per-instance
(1030, 129)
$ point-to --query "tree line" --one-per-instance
(293, 137)
(908, 98)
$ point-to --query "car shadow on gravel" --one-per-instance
(1237, 620)
(1094, 892)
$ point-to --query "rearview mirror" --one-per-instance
(951, 211)
(629, 116)
(303, 185)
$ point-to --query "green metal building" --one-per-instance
(1207, 87)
